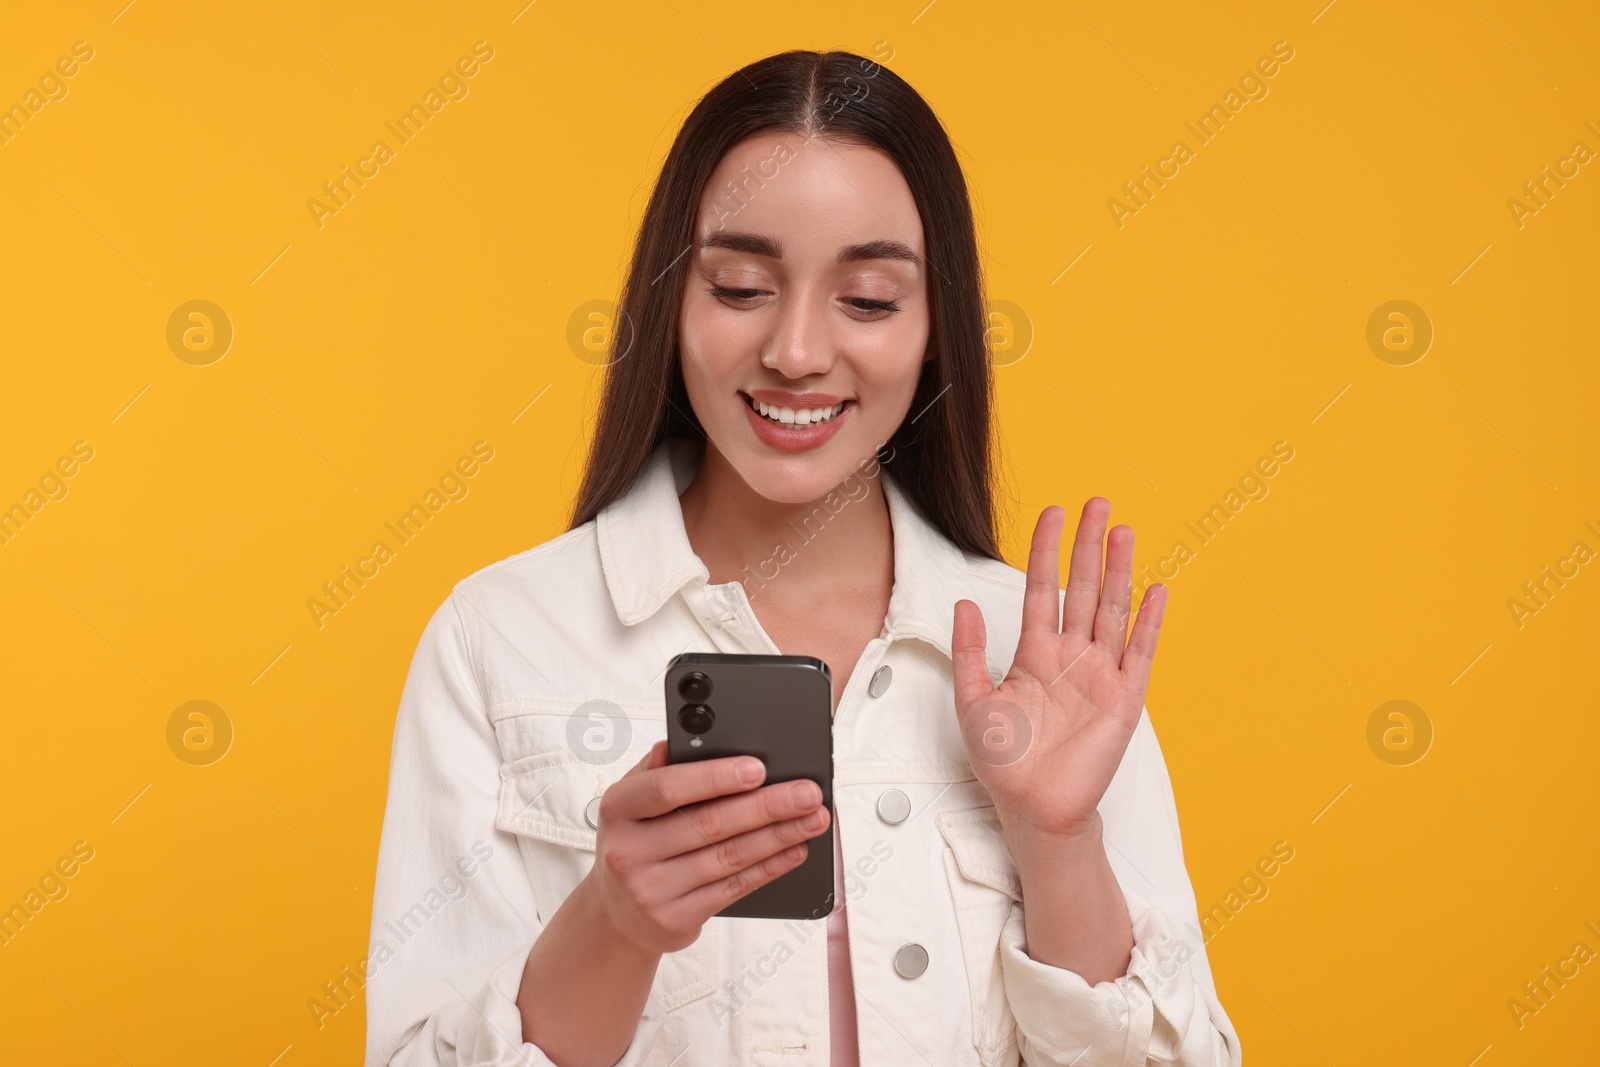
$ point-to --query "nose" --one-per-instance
(801, 344)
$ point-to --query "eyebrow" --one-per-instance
(760, 245)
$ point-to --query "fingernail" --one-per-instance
(749, 771)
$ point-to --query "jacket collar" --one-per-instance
(646, 556)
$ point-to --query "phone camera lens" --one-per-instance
(694, 686)
(695, 718)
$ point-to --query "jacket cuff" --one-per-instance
(1156, 1013)
(487, 1030)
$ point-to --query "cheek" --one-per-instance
(715, 344)
(712, 354)
(890, 360)
(696, 348)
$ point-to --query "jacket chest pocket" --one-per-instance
(550, 802)
(985, 887)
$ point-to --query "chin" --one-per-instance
(790, 479)
(797, 478)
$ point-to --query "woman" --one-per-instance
(793, 456)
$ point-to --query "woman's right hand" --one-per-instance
(677, 843)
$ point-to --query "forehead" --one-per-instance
(813, 196)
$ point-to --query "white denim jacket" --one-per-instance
(538, 683)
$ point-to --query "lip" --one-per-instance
(795, 438)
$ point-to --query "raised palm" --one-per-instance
(1047, 740)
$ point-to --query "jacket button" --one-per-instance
(911, 960)
(591, 813)
(880, 680)
(893, 806)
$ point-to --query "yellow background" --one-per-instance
(1228, 314)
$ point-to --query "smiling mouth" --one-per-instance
(794, 417)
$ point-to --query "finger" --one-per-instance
(710, 899)
(968, 660)
(1116, 593)
(1041, 599)
(706, 866)
(656, 791)
(1141, 652)
(721, 818)
(1083, 575)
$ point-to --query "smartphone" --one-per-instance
(779, 709)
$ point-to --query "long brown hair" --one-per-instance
(942, 454)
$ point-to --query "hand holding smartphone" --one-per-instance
(679, 843)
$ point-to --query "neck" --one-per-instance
(796, 552)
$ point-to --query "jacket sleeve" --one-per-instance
(1165, 1009)
(453, 914)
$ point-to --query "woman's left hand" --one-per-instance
(1047, 740)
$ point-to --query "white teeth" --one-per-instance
(796, 416)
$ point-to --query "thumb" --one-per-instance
(968, 641)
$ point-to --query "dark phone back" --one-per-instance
(780, 709)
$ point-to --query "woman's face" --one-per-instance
(806, 291)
